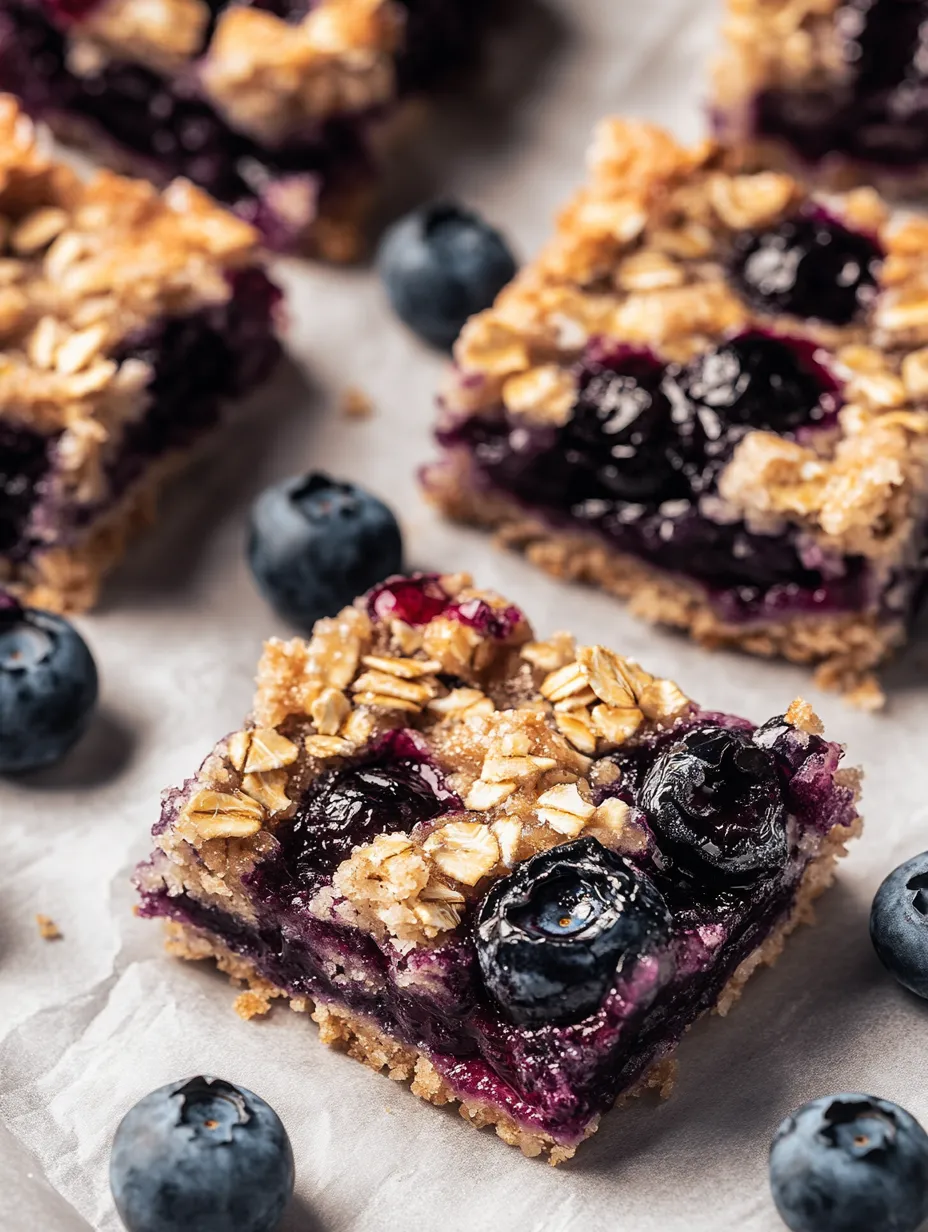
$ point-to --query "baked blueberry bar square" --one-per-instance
(707, 395)
(127, 318)
(272, 106)
(511, 871)
(836, 88)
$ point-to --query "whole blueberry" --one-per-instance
(714, 800)
(201, 1155)
(48, 687)
(899, 924)
(315, 543)
(850, 1163)
(552, 935)
(441, 264)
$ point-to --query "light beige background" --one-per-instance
(91, 1023)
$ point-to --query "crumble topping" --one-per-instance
(83, 265)
(638, 257)
(271, 78)
(514, 738)
(162, 34)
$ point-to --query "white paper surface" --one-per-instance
(92, 1022)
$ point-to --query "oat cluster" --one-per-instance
(515, 734)
(268, 77)
(82, 265)
(639, 256)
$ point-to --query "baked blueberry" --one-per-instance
(201, 1154)
(441, 264)
(315, 542)
(899, 924)
(48, 687)
(393, 789)
(850, 1163)
(809, 265)
(622, 429)
(715, 803)
(553, 934)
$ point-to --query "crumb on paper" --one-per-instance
(251, 1005)
(48, 929)
(355, 404)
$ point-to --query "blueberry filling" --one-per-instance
(393, 789)
(552, 935)
(575, 971)
(876, 112)
(809, 266)
(421, 599)
(24, 462)
(715, 802)
(197, 362)
(646, 442)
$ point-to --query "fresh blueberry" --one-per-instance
(899, 924)
(201, 1154)
(552, 935)
(440, 265)
(850, 1163)
(809, 266)
(48, 687)
(315, 543)
(393, 788)
(715, 803)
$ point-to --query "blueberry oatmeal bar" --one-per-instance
(126, 319)
(835, 88)
(707, 395)
(272, 106)
(510, 871)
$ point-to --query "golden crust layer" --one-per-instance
(362, 1040)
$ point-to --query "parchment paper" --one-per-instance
(92, 1022)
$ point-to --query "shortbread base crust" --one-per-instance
(363, 1040)
(845, 647)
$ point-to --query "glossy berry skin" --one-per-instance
(439, 265)
(899, 924)
(48, 687)
(715, 803)
(315, 543)
(201, 1154)
(552, 935)
(394, 789)
(808, 266)
(850, 1163)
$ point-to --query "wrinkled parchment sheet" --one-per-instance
(95, 1020)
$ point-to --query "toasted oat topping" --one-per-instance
(82, 265)
(639, 256)
(271, 78)
(521, 735)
